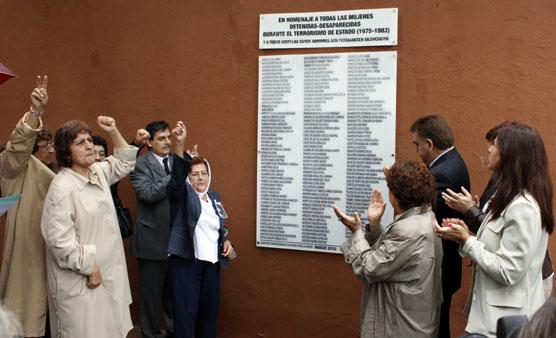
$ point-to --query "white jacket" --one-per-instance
(508, 254)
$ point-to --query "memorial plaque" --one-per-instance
(353, 28)
(326, 130)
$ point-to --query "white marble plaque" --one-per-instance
(327, 126)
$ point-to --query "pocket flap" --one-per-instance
(496, 226)
(506, 298)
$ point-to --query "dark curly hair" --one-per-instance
(411, 183)
(65, 134)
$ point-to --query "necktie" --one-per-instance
(166, 168)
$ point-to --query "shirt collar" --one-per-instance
(160, 159)
(81, 181)
(439, 156)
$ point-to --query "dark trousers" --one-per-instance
(195, 289)
(444, 329)
(154, 296)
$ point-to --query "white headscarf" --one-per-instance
(201, 194)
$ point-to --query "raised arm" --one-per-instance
(182, 161)
(123, 162)
(20, 146)
(108, 124)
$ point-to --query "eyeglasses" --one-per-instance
(46, 145)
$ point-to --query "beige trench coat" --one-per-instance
(80, 228)
(401, 269)
(23, 272)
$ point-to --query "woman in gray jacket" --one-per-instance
(400, 264)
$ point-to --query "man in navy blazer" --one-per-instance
(151, 182)
(434, 142)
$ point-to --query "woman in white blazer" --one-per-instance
(509, 248)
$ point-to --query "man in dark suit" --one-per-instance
(434, 142)
(150, 180)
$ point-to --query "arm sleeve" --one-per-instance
(18, 149)
(119, 165)
(58, 230)
(518, 241)
(473, 218)
(180, 169)
(378, 262)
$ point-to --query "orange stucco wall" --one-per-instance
(475, 62)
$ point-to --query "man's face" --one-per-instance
(423, 147)
(99, 153)
(161, 143)
(45, 151)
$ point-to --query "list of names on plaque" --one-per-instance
(326, 130)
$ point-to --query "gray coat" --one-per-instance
(401, 269)
(151, 185)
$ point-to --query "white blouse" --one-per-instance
(206, 234)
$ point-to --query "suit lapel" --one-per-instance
(155, 165)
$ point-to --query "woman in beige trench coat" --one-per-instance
(88, 287)
(22, 170)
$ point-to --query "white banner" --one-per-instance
(327, 126)
(354, 28)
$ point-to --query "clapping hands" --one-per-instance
(452, 229)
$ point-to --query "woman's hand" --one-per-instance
(95, 278)
(228, 248)
(179, 132)
(106, 123)
(39, 96)
(376, 208)
(460, 202)
(452, 229)
(352, 223)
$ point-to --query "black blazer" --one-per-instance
(186, 210)
(450, 172)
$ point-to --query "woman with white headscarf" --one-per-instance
(198, 244)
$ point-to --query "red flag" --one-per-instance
(5, 74)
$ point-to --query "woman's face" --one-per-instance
(493, 160)
(45, 150)
(82, 151)
(199, 177)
